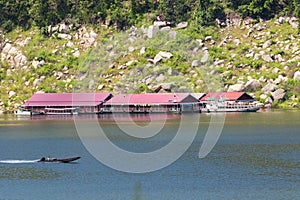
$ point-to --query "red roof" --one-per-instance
(67, 99)
(229, 96)
(149, 98)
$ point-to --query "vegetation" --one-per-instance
(124, 14)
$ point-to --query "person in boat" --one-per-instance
(42, 159)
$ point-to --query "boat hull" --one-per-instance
(62, 160)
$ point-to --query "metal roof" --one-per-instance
(151, 98)
(67, 99)
(226, 96)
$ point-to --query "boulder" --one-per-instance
(6, 48)
(93, 34)
(11, 94)
(267, 44)
(100, 87)
(157, 58)
(182, 25)
(37, 63)
(297, 76)
(109, 47)
(172, 34)
(267, 58)
(281, 20)
(20, 59)
(263, 96)
(76, 53)
(143, 50)
(64, 36)
(253, 85)
(166, 55)
(162, 55)
(160, 78)
(278, 94)
(160, 24)
(167, 86)
(294, 25)
(270, 87)
(166, 28)
(275, 70)
(36, 82)
(131, 49)
(204, 58)
(91, 84)
(63, 28)
(195, 63)
(152, 30)
(236, 88)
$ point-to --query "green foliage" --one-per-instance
(2, 74)
(124, 14)
(216, 52)
(255, 64)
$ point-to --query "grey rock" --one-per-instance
(166, 28)
(267, 44)
(157, 58)
(267, 58)
(64, 36)
(269, 100)
(11, 94)
(109, 47)
(182, 25)
(270, 87)
(91, 84)
(130, 62)
(207, 38)
(70, 44)
(278, 94)
(20, 59)
(37, 82)
(204, 58)
(152, 30)
(143, 50)
(6, 48)
(253, 85)
(171, 72)
(263, 96)
(172, 34)
(281, 20)
(76, 53)
(195, 63)
(294, 25)
(131, 49)
(167, 86)
(160, 23)
(236, 88)
(166, 55)
(160, 78)
(275, 70)
(63, 28)
(297, 76)
(13, 51)
(93, 34)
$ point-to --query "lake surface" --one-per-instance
(256, 157)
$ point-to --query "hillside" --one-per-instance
(259, 57)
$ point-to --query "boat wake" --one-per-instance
(18, 161)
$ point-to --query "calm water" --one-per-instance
(257, 157)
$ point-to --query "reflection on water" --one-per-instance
(262, 157)
(23, 172)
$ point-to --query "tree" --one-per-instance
(297, 11)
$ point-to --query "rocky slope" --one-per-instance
(261, 58)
